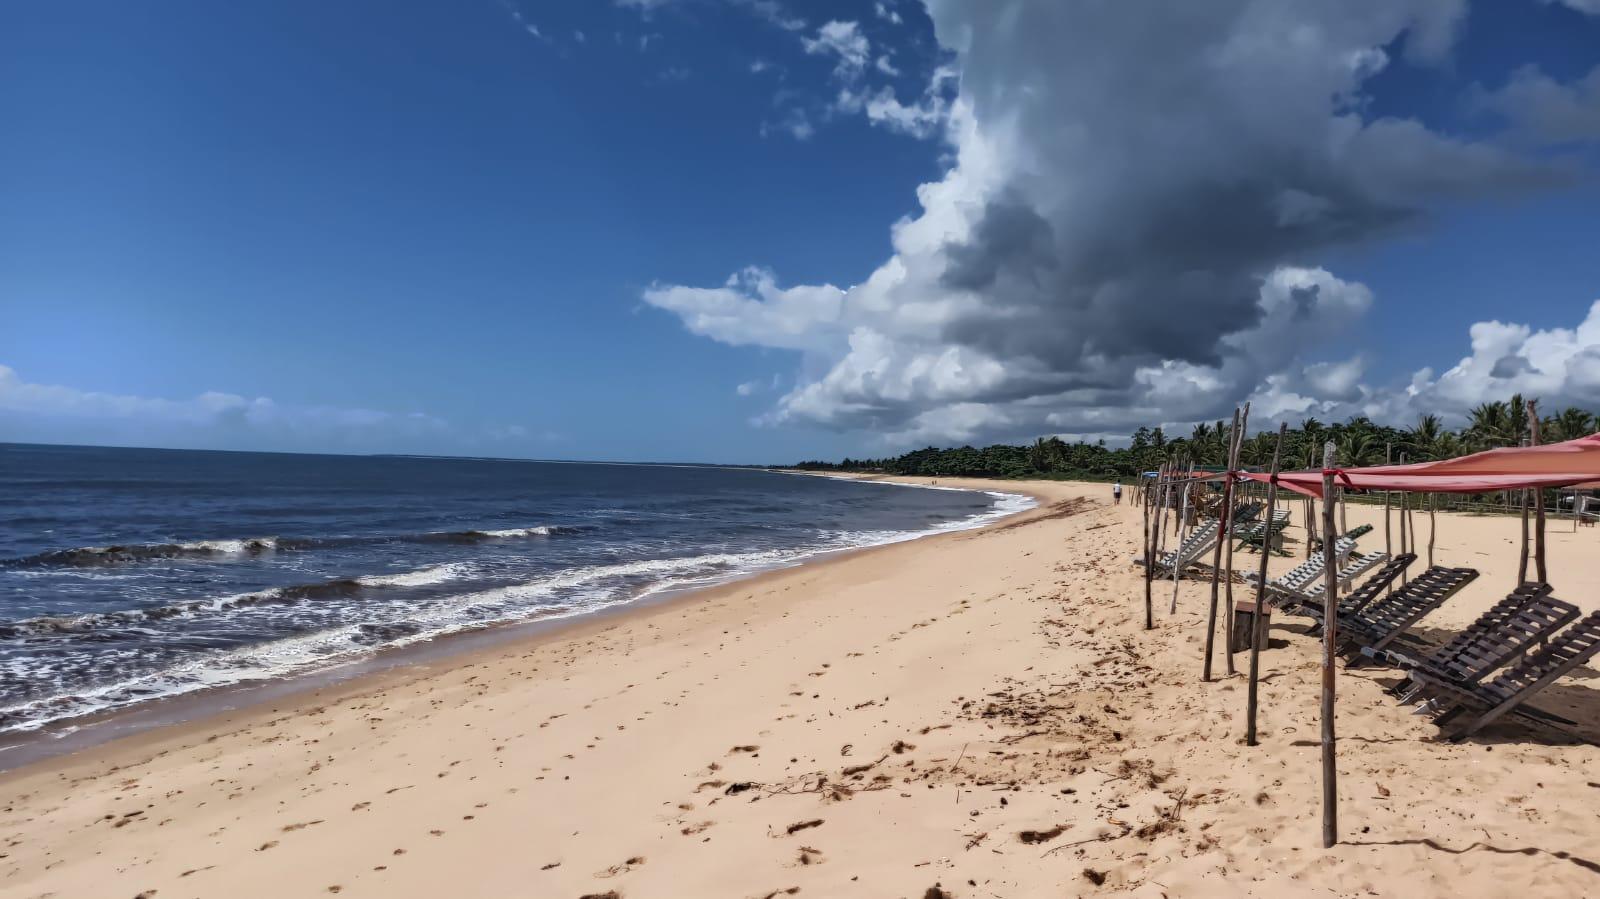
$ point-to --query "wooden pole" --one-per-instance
(1161, 506)
(1388, 458)
(1224, 534)
(1411, 517)
(1405, 533)
(1149, 559)
(1191, 518)
(1183, 515)
(1227, 619)
(1538, 499)
(1261, 596)
(1330, 642)
(1433, 524)
(1405, 506)
(1311, 532)
(1522, 559)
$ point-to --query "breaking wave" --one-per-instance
(123, 554)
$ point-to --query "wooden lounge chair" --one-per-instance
(1359, 598)
(1360, 530)
(1356, 567)
(1510, 692)
(1527, 616)
(1292, 585)
(1387, 619)
(1200, 541)
(1259, 535)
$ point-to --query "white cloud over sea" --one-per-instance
(55, 413)
(1095, 258)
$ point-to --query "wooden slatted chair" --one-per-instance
(1510, 691)
(1527, 616)
(1356, 567)
(1291, 586)
(1360, 597)
(1200, 541)
(1258, 535)
(1360, 530)
(1387, 619)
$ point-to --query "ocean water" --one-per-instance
(128, 575)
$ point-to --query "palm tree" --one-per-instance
(1517, 417)
(1203, 445)
(1490, 426)
(1358, 447)
(1257, 450)
(1570, 424)
(1036, 455)
(1422, 440)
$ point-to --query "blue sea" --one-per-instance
(133, 574)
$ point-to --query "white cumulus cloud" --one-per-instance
(55, 413)
(1128, 228)
(844, 41)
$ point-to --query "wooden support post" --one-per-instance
(1388, 458)
(1183, 515)
(1538, 499)
(1162, 492)
(1411, 518)
(1149, 559)
(1256, 618)
(1224, 534)
(1227, 625)
(1406, 535)
(1522, 558)
(1433, 524)
(1330, 642)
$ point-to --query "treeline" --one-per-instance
(1360, 442)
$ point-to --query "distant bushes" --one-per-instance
(1360, 442)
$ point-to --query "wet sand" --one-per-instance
(972, 714)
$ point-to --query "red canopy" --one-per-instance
(1566, 464)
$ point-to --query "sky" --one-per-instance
(764, 230)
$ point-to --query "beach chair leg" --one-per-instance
(1449, 715)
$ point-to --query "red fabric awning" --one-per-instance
(1565, 464)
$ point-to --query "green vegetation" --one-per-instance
(1360, 442)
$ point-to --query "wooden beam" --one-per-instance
(1261, 595)
(1522, 558)
(1149, 559)
(1227, 620)
(1330, 642)
(1538, 499)
(1224, 534)
(1183, 515)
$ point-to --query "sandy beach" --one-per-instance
(971, 714)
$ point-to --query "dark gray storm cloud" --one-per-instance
(1141, 194)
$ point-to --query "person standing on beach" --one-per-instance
(1116, 494)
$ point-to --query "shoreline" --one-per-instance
(70, 736)
(980, 713)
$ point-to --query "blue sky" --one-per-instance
(508, 228)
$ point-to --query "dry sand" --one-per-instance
(974, 714)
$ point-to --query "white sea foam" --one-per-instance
(543, 530)
(574, 592)
(422, 577)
